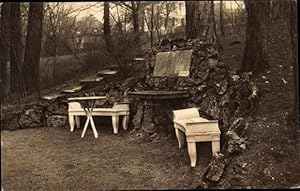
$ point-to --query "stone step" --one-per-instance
(72, 89)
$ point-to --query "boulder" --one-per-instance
(138, 117)
(58, 108)
(32, 118)
(215, 168)
(57, 120)
(235, 144)
(148, 123)
(13, 124)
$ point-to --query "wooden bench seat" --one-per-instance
(119, 109)
(188, 124)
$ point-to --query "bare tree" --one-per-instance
(149, 18)
(33, 46)
(135, 6)
(106, 27)
(294, 38)
(256, 48)
(232, 17)
(56, 19)
(142, 16)
(214, 24)
(17, 80)
(222, 27)
(168, 7)
(159, 19)
(152, 24)
(4, 45)
(199, 23)
(279, 9)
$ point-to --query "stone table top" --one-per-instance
(159, 94)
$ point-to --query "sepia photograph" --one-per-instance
(149, 95)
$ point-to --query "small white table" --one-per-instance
(88, 104)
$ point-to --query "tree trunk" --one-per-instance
(294, 38)
(236, 24)
(33, 46)
(152, 24)
(279, 9)
(157, 26)
(256, 47)
(214, 25)
(166, 23)
(232, 16)
(199, 21)
(106, 28)
(142, 17)
(222, 19)
(17, 80)
(4, 45)
(135, 16)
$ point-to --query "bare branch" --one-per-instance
(238, 4)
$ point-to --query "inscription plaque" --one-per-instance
(173, 63)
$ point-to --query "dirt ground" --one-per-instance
(273, 157)
(56, 159)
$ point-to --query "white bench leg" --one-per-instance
(77, 121)
(115, 123)
(192, 153)
(180, 137)
(125, 122)
(215, 146)
(71, 122)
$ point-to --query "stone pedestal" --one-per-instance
(154, 111)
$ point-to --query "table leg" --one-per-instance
(92, 121)
(85, 126)
(93, 127)
(88, 112)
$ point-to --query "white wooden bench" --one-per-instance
(196, 129)
(119, 109)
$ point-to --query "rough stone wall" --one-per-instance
(217, 92)
(54, 113)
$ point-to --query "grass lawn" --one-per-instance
(56, 159)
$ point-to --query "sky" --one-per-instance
(97, 10)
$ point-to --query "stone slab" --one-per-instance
(91, 79)
(52, 96)
(107, 72)
(72, 89)
(156, 94)
(173, 63)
